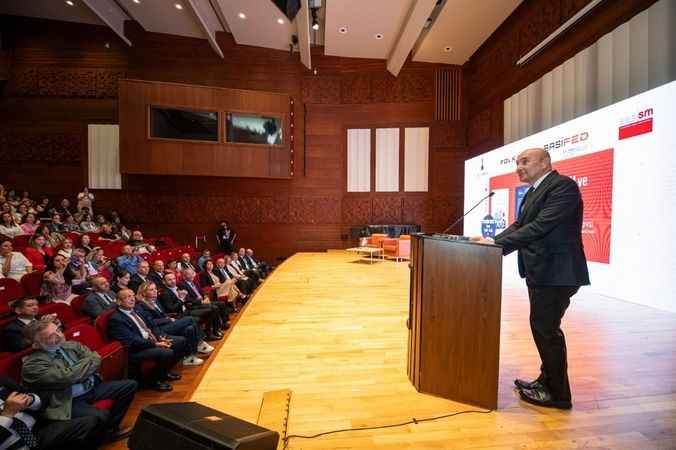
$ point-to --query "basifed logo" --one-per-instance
(566, 141)
(636, 124)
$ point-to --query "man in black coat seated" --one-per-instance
(140, 277)
(144, 341)
(177, 302)
(195, 298)
(151, 310)
(101, 298)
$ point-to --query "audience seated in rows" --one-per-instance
(176, 301)
(38, 253)
(128, 260)
(152, 312)
(140, 277)
(226, 289)
(145, 342)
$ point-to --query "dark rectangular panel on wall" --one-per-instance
(142, 154)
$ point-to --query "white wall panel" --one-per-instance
(387, 159)
(358, 160)
(416, 159)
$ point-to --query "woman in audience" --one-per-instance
(66, 248)
(70, 226)
(121, 282)
(52, 239)
(56, 282)
(85, 199)
(84, 242)
(8, 226)
(87, 225)
(79, 272)
(56, 226)
(64, 209)
(30, 224)
(98, 261)
(38, 253)
(42, 209)
(225, 290)
(20, 213)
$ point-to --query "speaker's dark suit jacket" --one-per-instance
(547, 235)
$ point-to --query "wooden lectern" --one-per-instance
(454, 319)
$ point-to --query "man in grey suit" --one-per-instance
(101, 298)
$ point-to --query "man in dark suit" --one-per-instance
(140, 277)
(157, 274)
(177, 301)
(26, 309)
(195, 299)
(144, 341)
(100, 300)
(19, 428)
(548, 237)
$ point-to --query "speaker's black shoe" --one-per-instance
(172, 376)
(161, 386)
(541, 397)
(523, 384)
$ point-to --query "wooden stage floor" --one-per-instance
(333, 331)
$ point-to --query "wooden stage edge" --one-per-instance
(333, 331)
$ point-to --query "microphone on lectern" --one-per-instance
(490, 194)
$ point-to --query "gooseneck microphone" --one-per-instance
(490, 194)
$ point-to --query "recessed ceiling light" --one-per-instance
(448, 49)
(70, 3)
(280, 21)
(242, 15)
(342, 30)
(137, 1)
(379, 36)
(315, 26)
(178, 6)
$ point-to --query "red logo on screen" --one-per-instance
(636, 124)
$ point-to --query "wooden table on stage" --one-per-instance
(370, 251)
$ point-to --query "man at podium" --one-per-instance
(548, 237)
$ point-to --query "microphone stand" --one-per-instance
(490, 194)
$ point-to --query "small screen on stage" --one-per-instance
(253, 129)
(183, 124)
(623, 160)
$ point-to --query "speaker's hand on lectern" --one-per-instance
(482, 240)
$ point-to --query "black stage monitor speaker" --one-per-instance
(191, 426)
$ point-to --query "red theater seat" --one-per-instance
(64, 312)
(32, 283)
(10, 290)
(113, 355)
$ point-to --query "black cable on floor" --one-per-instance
(413, 420)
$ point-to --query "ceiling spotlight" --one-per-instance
(137, 1)
(315, 26)
(241, 15)
(70, 3)
(178, 6)
(448, 49)
(280, 21)
(342, 30)
(378, 36)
